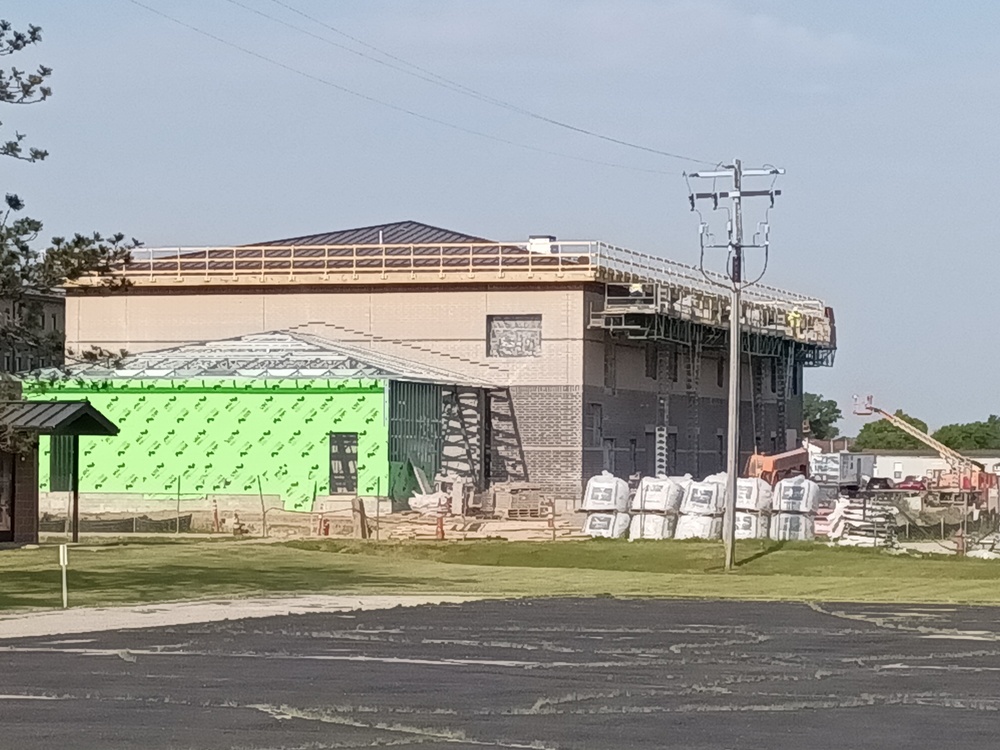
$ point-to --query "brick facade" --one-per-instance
(551, 431)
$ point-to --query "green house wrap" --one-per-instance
(226, 436)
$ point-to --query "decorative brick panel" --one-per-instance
(26, 498)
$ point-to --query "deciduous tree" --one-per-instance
(971, 436)
(821, 415)
(884, 435)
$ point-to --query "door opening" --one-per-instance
(343, 463)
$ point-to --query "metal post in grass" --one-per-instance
(378, 508)
(263, 510)
(64, 563)
(177, 521)
(76, 488)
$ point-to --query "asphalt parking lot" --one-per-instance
(558, 673)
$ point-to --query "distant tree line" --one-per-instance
(821, 416)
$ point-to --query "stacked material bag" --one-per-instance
(707, 498)
(698, 527)
(796, 527)
(606, 503)
(660, 494)
(752, 525)
(609, 525)
(796, 500)
(701, 509)
(651, 526)
(655, 506)
(796, 495)
(753, 506)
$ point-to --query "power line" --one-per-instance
(390, 105)
(432, 77)
(416, 72)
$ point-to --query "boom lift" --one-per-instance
(966, 475)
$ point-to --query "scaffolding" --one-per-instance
(792, 330)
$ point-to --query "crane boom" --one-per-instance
(955, 460)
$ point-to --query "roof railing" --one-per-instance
(292, 261)
(684, 286)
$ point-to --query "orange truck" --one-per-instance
(772, 469)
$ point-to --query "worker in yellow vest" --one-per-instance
(794, 319)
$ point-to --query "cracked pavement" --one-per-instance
(554, 673)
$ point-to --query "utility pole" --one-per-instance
(735, 370)
(736, 285)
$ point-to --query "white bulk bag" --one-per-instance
(720, 478)
(658, 495)
(795, 527)
(651, 526)
(683, 481)
(610, 525)
(698, 527)
(704, 499)
(751, 525)
(796, 495)
(606, 492)
(753, 494)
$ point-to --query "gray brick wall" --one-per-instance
(631, 415)
(549, 424)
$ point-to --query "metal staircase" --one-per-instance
(506, 455)
(464, 436)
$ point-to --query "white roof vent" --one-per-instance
(542, 243)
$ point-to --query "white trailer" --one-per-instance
(846, 470)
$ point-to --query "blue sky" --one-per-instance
(883, 114)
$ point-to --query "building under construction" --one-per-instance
(592, 356)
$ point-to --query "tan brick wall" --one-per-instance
(409, 322)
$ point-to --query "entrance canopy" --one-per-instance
(64, 422)
(56, 418)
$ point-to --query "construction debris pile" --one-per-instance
(861, 522)
(449, 508)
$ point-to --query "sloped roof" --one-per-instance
(275, 354)
(399, 245)
(56, 418)
(395, 233)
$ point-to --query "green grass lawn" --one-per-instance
(137, 572)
